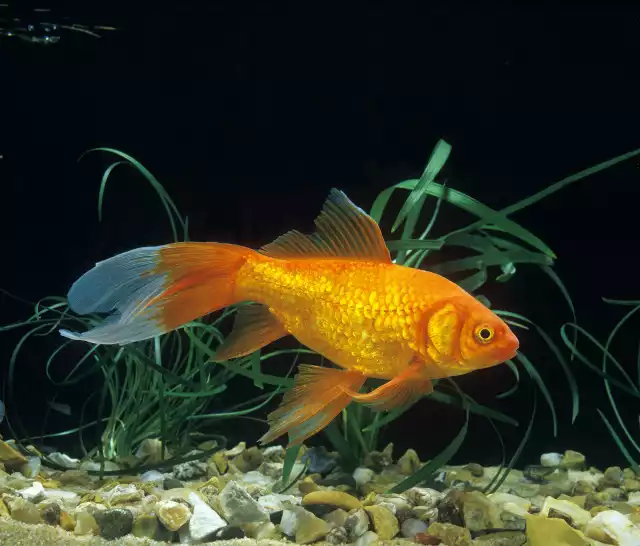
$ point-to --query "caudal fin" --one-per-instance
(317, 396)
(153, 290)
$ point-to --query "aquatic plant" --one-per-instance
(626, 385)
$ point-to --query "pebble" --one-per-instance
(63, 460)
(31, 468)
(320, 460)
(571, 511)
(451, 534)
(309, 527)
(33, 493)
(611, 525)
(173, 515)
(336, 518)
(124, 494)
(479, 513)
(190, 470)
(332, 498)
(235, 451)
(50, 512)
(204, 520)
(356, 524)
(337, 536)
(288, 523)
(86, 524)
(572, 459)
(409, 463)
(274, 454)
(24, 511)
(367, 539)
(411, 527)
(271, 503)
(553, 502)
(171, 483)
(550, 459)
(250, 459)
(338, 478)
(150, 451)
(422, 496)
(146, 526)
(114, 523)
(152, 476)
(362, 475)
(67, 522)
(384, 523)
(239, 507)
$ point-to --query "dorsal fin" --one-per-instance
(343, 231)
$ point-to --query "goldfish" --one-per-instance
(337, 291)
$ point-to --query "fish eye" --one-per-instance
(484, 333)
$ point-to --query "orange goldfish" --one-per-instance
(337, 291)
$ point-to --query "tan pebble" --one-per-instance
(384, 523)
(11, 456)
(173, 515)
(24, 511)
(220, 460)
(310, 527)
(338, 499)
(86, 525)
(307, 486)
(66, 521)
(409, 462)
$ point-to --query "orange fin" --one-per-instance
(253, 328)
(343, 231)
(152, 290)
(318, 395)
(403, 389)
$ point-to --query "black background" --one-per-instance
(249, 114)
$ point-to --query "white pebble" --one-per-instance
(615, 526)
(634, 498)
(271, 503)
(363, 475)
(32, 493)
(289, 523)
(62, 459)
(152, 476)
(31, 468)
(411, 527)
(204, 521)
(550, 459)
(367, 538)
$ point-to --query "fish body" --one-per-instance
(369, 317)
(337, 291)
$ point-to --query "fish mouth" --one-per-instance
(511, 346)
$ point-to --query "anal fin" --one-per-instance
(317, 397)
(253, 328)
(404, 389)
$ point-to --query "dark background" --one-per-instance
(249, 114)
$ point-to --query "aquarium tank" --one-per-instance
(273, 279)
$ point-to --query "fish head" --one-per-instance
(485, 339)
(464, 336)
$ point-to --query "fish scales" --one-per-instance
(360, 315)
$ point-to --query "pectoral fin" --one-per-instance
(402, 390)
(254, 327)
